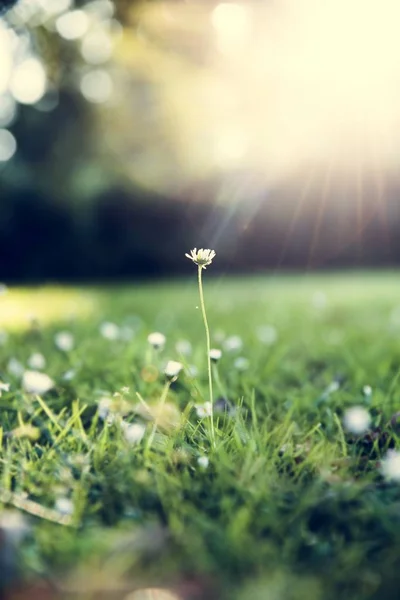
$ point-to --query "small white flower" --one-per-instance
(104, 407)
(183, 347)
(157, 340)
(390, 466)
(13, 525)
(64, 506)
(15, 367)
(232, 343)
(203, 410)
(37, 361)
(173, 368)
(241, 363)
(125, 390)
(203, 462)
(367, 390)
(202, 258)
(69, 375)
(331, 388)
(357, 419)
(64, 340)
(267, 334)
(4, 387)
(133, 432)
(109, 331)
(35, 382)
(215, 354)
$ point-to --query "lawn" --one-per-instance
(287, 505)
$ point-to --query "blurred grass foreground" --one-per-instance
(109, 480)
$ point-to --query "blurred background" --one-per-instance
(131, 132)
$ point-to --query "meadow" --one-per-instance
(109, 476)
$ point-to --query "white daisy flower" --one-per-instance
(356, 419)
(133, 432)
(64, 506)
(183, 347)
(241, 363)
(64, 340)
(4, 387)
(203, 410)
(232, 343)
(267, 334)
(157, 340)
(15, 367)
(35, 382)
(203, 462)
(37, 361)
(173, 368)
(390, 466)
(215, 354)
(202, 257)
(109, 331)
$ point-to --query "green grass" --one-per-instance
(290, 507)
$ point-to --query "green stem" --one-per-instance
(203, 310)
(158, 415)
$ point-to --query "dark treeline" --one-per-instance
(126, 236)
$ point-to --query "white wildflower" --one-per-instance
(215, 354)
(203, 462)
(183, 347)
(367, 390)
(104, 406)
(204, 410)
(241, 363)
(69, 375)
(232, 343)
(390, 466)
(64, 506)
(356, 419)
(267, 334)
(157, 340)
(133, 432)
(173, 368)
(15, 367)
(64, 340)
(35, 382)
(13, 525)
(202, 257)
(109, 331)
(37, 361)
(4, 387)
